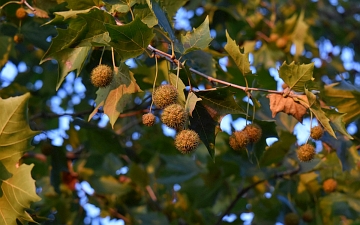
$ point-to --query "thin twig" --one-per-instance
(169, 58)
(246, 189)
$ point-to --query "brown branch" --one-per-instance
(211, 79)
(246, 189)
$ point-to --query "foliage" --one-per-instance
(135, 171)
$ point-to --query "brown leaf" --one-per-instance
(279, 103)
(40, 13)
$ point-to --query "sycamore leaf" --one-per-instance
(315, 108)
(122, 6)
(82, 4)
(277, 151)
(6, 44)
(241, 59)
(219, 102)
(114, 97)
(279, 103)
(267, 55)
(299, 34)
(95, 32)
(180, 87)
(162, 19)
(336, 120)
(345, 97)
(172, 6)
(17, 185)
(202, 122)
(145, 14)
(191, 102)
(64, 15)
(295, 75)
(199, 38)
(207, 114)
(70, 59)
(130, 40)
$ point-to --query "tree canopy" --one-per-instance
(118, 104)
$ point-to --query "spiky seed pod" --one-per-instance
(186, 141)
(306, 153)
(329, 185)
(165, 95)
(291, 219)
(254, 132)
(20, 13)
(148, 119)
(101, 76)
(238, 140)
(316, 132)
(308, 216)
(174, 116)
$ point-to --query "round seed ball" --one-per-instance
(306, 153)
(165, 95)
(254, 132)
(101, 76)
(174, 116)
(316, 132)
(186, 141)
(148, 119)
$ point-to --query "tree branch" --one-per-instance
(246, 189)
(169, 58)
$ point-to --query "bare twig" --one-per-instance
(246, 189)
(169, 58)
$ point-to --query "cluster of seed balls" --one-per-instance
(306, 152)
(250, 134)
(174, 116)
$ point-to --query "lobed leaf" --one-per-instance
(17, 185)
(345, 97)
(295, 75)
(240, 58)
(162, 19)
(199, 38)
(114, 97)
(130, 40)
(314, 106)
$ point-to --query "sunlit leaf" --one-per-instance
(345, 97)
(114, 97)
(191, 102)
(295, 75)
(17, 185)
(199, 38)
(240, 58)
(315, 108)
(336, 120)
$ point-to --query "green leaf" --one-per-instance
(82, 4)
(295, 75)
(345, 97)
(138, 175)
(240, 58)
(162, 19)
(336, 120)
(219, 102)
(208, 113)
(315, 108)
(114, 97)
(201, 61)
(145, 14)
(277, 151)
(191, 102)
(199, 38)
(95, 33)
(122, 6)
(70, 59)
(130, 40)
(207, 128)
(5, 48)
(173, 79)
(300, 34)
(17, 191)
(267, 55)
(177, 169)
